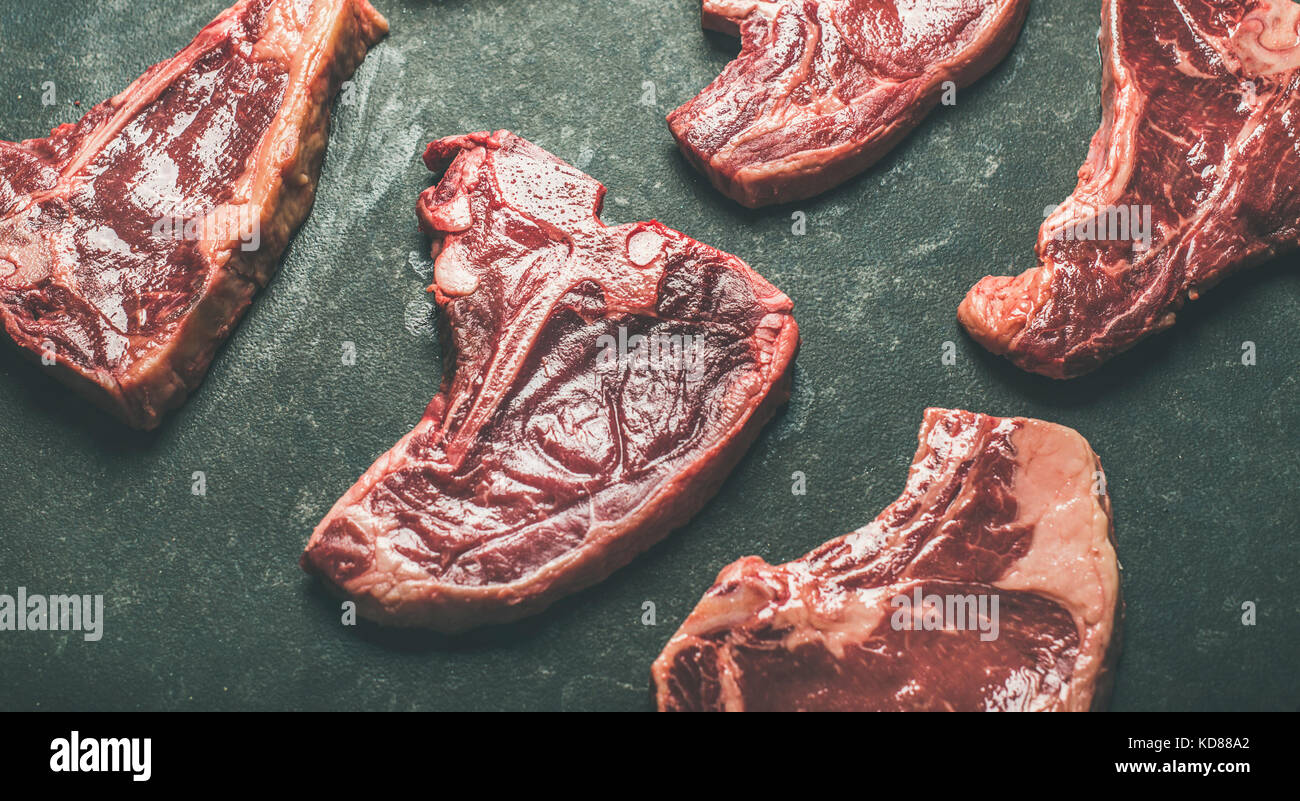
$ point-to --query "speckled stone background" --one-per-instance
(206, 607)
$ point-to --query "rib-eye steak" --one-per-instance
(1191, 176)
(132, 241)
(600, 384)
(990, 584)
(824, 88)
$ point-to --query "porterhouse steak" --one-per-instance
(1192, 176)
(600, 383)
(132, 241)
(990, 584)
(824, 88)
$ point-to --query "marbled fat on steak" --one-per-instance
(1001, 515)
(563, 442)
(1200, 119)
(823, 88)
(132, 241)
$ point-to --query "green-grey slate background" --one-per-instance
(206, 607)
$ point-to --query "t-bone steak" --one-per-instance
(600, 383)
(132, 241)
(823, 88)
(1191, 176)
(990, 584)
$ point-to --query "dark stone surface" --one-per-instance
(206, 606)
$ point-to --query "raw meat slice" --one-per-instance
(132, 242)
(1004, 511)
(1191, 177)
(560, 444)
(823, 88)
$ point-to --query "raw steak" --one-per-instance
(1191, 176)
(823, 88)
(132, 242)
(560, 445)
(995, 509)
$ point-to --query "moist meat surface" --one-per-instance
(823, 88)
(601, 383)
(1192, 176)
(132, 241)
(996, 510)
